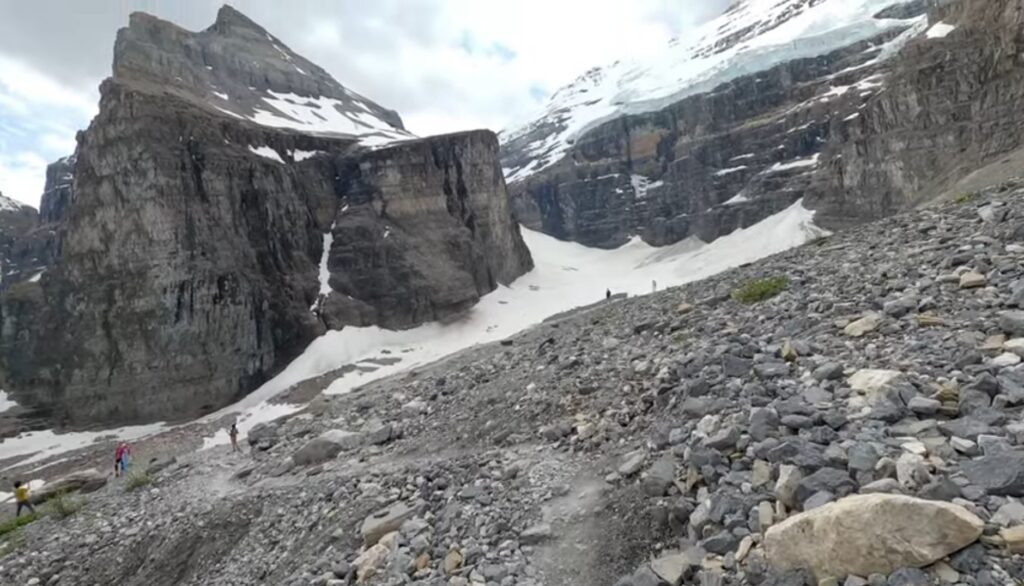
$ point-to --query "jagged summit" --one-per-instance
(231, 19)
(238, 69)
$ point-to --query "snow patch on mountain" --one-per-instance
(322, 115)
(940, 30)
(752, 36)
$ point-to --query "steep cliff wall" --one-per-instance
(190, 242)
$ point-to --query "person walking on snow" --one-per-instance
(22, 498)
(233, 434)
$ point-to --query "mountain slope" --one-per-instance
(862, 109)
(750, 37)
(203, 242)
(671, 431)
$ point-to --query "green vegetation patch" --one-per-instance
(137, 480)
(759, 290)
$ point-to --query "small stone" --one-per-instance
(453, 562)
(725, 439)
(1009, 515)
(787, 484)
(631, 463)
(384, 522)
(863, 326)
(760, 474)
(658, 478)
(1015, 346)
(765, 515)
(945, 573)
(788, 353)
(999, 474)
(908, 577)
(535, 534)
(672, 568)
(924, 405)
(1013, 538)
(828, 371)
(1012, 322)
(964, 446)
(818, 499)
(1006, 359)
(972, 280)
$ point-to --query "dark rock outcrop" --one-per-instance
(189, 243)
(856, 133)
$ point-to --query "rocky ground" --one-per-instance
(863, 426)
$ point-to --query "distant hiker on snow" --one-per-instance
(233, 434)
(121, 457)
(608, 294)
(21, 497)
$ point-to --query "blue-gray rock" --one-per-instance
(966, 427)
(939, 489)
(832, 480)
(1012, 322)
(724, 439)
(908, 577)
(924, 405)
(769, 370)
(999, 474)
(734, 366)
(764, 423)
(828, 371)
(862, 456)
(798, 452)
(721, 543)
(818, 499)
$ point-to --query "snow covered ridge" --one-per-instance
(753, 36)
(9, 205)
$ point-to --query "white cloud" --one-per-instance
(22, 176)
(20, 82)
(39, 117)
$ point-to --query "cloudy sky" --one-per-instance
(445, 65)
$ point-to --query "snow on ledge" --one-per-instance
(730, 171)
(266, 153)
(939, 30)
(796, 164)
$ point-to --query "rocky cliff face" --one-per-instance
(202, 246)
(860, 122)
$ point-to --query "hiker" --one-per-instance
(608, 294)
(121, 456)
(654, 286)
(233, 434)
(21, 497)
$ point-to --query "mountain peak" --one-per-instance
(230, 19)
(236, 68)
